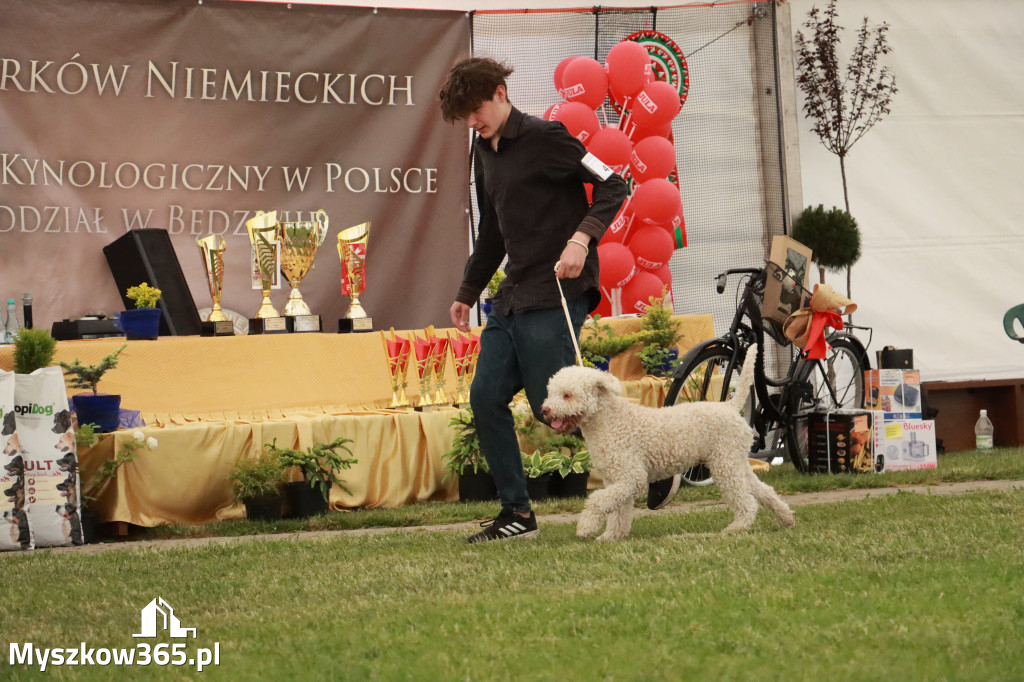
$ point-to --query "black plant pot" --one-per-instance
(266, 508)
(90, 525)
(573, 485)
(478, 487)
(303, 501)
(538, 487)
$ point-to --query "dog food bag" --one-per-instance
(15, 525)
(51, 463)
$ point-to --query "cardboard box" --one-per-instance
(894, 392)
(840, 442)
(782, 296)
(905, 444)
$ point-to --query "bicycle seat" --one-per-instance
(1013, 316)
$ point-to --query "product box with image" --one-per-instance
(840, 442)
(788, 271)
(905, 444)
(896, 393)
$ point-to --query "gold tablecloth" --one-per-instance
(209, 401)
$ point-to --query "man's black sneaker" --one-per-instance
(661, 492)
(507, 525)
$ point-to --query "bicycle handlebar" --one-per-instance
(721, 279)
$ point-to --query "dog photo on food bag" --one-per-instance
(633, 446)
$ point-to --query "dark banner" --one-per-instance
(191, 117)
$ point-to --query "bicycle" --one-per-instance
(778, 409)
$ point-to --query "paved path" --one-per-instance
(795, 500)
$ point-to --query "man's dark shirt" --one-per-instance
(531, 198)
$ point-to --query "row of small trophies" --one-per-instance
(431, 354)
(290, 247)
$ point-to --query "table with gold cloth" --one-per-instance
(210, 400)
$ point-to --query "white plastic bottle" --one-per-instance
(10, 322)
(983, 432)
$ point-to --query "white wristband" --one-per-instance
(577, 241)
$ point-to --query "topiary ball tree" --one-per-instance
(832, 235)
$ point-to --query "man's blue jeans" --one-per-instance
(522, 350)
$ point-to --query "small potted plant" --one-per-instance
(573, 466)
(492, 290)
(318, 465)
(599, 343)
(659, 354)
(466, 462)
(539, 468)
(256, 482)
(143, 322)
(33, 349)
(101, 409)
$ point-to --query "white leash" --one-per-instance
(568, 319)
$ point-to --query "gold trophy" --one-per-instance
(440, 349)
(424, 351)
(352, 252)
(265, 260)
(299, 244)
(463, 356)
(397, 350)
(211, 250)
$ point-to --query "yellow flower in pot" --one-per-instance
(143, 322)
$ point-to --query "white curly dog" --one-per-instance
(633, 445)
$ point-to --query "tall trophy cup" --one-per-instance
(352, 252)
(299, 244)
(397, 350)
(424, 351)
(211, 250)
(440, 344)
(462, 356)
(266, 258)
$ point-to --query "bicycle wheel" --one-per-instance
(843, 371)
(704, 375)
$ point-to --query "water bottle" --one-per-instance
(983, 432)
(11, 322)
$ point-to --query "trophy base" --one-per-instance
(268, 325)
(430, 408)
(303, 323)
(217, 328)
(461, 406)
(347, 325)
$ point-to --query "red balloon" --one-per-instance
(665, 275)
(652, 157)
(655, 105)
(584, 80)
(617, 265)
(579, 119)
(629, 67)
(611, 146)
(656, 201)
(637, 134)
(652, 247)
(560, 71)
(619, 228)
(636, 296)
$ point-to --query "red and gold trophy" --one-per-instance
(463, 358)
(352, 253)
(440, 349)
(398, 350)
(424, 350)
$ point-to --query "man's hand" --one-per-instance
(574, 255)
(460, 316)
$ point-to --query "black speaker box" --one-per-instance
(148, 256)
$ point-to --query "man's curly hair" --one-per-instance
(470, 83)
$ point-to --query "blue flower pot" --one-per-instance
(140, 323)
(101, 409)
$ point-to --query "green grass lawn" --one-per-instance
(906, 586)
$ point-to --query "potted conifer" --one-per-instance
(101, 409)
(256, 482)
(318, 465)
(466, 462)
